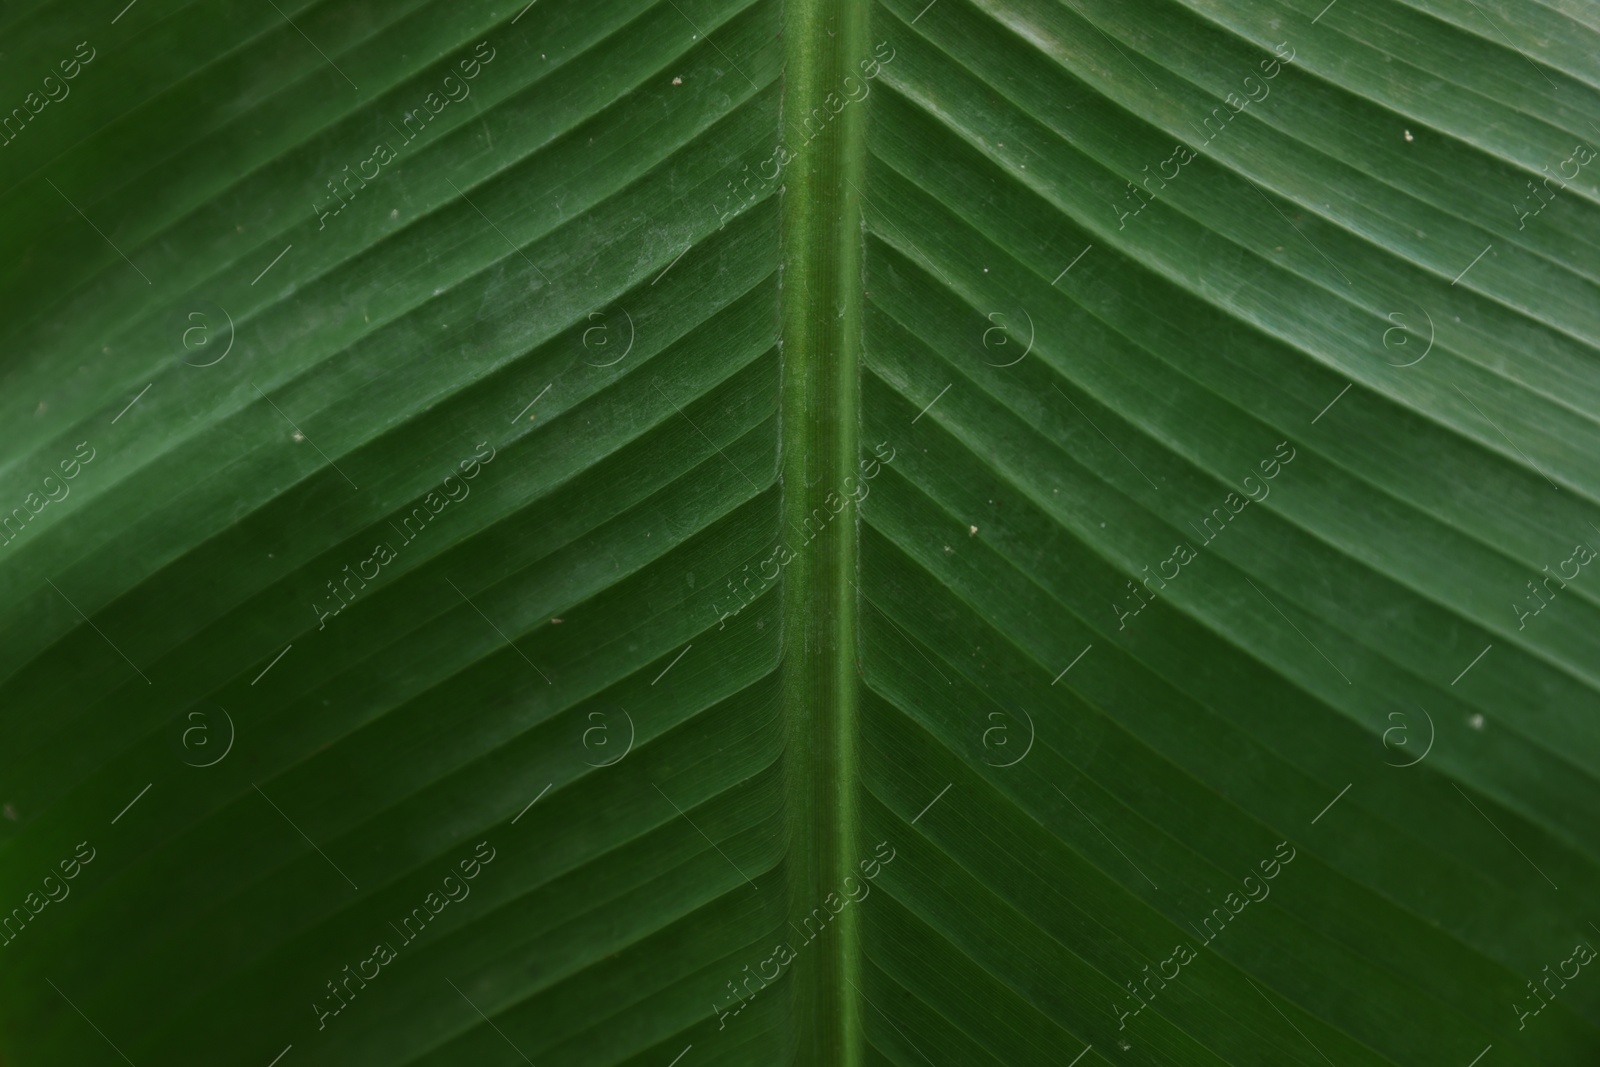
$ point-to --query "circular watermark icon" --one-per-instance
(998, 336)
(1401, 731)
(207, 748)
(1400, 340)
(598, 741)
(1000, 749)
(203, 333)
(603, 338)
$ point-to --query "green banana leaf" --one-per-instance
(970, 532)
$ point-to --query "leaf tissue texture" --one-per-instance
(671, 533)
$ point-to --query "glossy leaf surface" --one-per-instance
(984, 532)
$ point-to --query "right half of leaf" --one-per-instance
(1233, 569)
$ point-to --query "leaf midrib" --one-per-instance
(820, 323)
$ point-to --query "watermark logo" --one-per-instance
(1542, 194)
(1398, 336)
(198, 742)
(1582, 955)
(1002, 337)
(996, 745)
(55, 91)
(1544, 594)
(55, 490)
(1223, 913)
(597, 340)
(1402, 729)
(811, 927)
(347, 184)
(742, 196)
(206, 334)
(1143, 195)
(352, 981)
(597, 737)
(12, 924)
(1221, 515)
